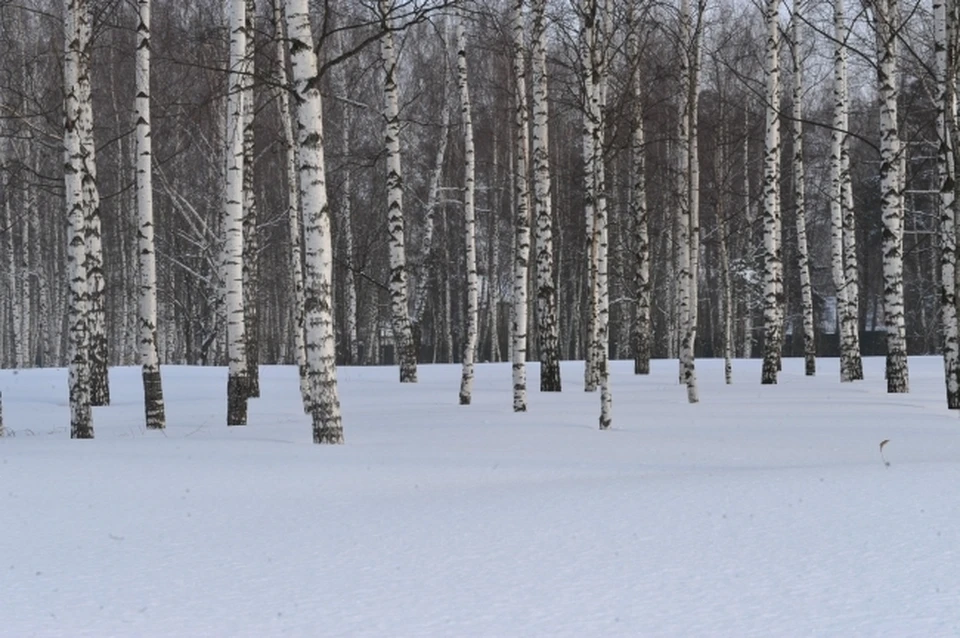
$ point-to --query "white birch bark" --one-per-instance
(251, 241)
(13, 272)
(944, 15)
(320, 342)
(293, 206)
(772, 278)
(99, 378)
(638, 204)
(522, 218)
(81, 417)
(402, 330)
(146, 248)
(887, 24)
(469, 218)
(591, 124)
(604, 32)
(841, 213)
(799, 196)
(237, 379)
(548, 333)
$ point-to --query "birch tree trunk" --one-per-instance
(469, 217)
(800, 199)
(638, 205)
(945, 24)
(237, 379)
(146, 248)
(548, 332)
(402, 330)
(591, 133)
(522, 221)
(887, 19)
(293, 206)
(772, 277)
(320, 342)
(81, 417)
(99, 380)
(251, 241)
(14, 273)
(841, 213)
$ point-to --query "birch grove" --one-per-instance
(557, 218)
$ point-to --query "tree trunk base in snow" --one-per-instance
(810, 365)
(99, 383)
(550, 376)
(237, 394)
(153, 400)
(896, 373)
(326, 431)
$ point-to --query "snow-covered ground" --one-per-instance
(761, 511)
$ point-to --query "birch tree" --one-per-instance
(402, 330)
(81, 417)
(638, 202)
(842, 218)
(97, 327)
(293, 204)
(772, 271)
(945, 25)
(251, 242)
(799, 195)
(518, 330)
(146, 248)
(237, 379)
(887, 27)
(320, 341)
(469, 217)
(548, 332)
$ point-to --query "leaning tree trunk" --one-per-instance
(886, 14)
(772, 281)
(251, 241)
(800, 199)
(146, 248)
(400, 314)
(237, 378)
(81, 417)
(97, 325)
(518, 331)
(320, 342)
(548, 333)
(944, 15)
(293, 207)
(638, 206)
(469, 219)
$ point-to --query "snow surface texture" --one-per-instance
(761, 511)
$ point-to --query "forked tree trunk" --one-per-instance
(772, 278)
(146, 249)
(522, 219)
(469, 218)
(97, 326)
(548, 332)
(887, 24)
(320, 342)
(945, 24)
(237, 377)
(400, 314)
(81, 418)
(293, 207)
(800, 199)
